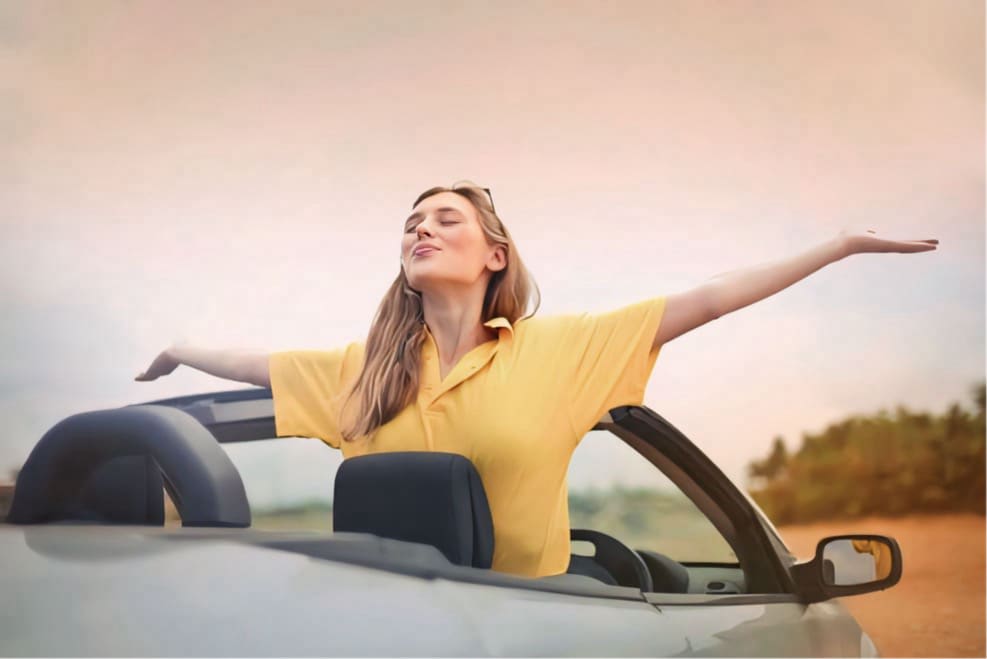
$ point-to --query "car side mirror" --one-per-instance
(849, 565)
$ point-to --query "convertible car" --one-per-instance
(689, 567)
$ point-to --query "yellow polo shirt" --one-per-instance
(516, 407)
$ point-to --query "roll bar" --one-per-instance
(110, 465)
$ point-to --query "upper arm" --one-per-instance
(257, 369)
(602, 360)
(685, 311)
(306, 386)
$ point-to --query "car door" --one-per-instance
(643, 483)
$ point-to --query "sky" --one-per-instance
(236, 175)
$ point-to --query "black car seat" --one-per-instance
(417, 496)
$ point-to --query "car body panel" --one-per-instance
(106, 590)
(93, 590)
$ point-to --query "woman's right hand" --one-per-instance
(235, 364)
(163, 364)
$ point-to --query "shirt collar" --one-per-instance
(500, 323)
(494, 323)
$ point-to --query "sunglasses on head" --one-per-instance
(490, 197)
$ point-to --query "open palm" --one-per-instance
(163, 364)
(869, 241)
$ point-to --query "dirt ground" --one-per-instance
(937, 609)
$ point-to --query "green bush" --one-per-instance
(879, 465)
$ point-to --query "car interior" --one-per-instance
(385, 509)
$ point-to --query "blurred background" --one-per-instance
(236, 174)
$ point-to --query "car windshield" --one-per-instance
(612, 489)
(615, 490)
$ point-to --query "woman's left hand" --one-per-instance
(869, 241)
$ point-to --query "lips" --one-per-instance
(424, 250)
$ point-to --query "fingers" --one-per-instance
(162, 365)
(921, 247)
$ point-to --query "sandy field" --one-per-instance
(937, 609)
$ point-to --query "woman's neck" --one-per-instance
(456, 324)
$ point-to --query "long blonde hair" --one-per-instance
(389, 379)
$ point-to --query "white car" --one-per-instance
(89, 568)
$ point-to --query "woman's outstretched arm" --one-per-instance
(736, 289)
(240, 365)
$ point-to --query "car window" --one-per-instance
(615, 490)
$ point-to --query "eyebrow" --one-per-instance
(419, 215)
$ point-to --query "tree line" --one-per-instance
(882, 464)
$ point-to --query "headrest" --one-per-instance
(417, 496)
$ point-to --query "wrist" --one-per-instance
(174, 352)
(840, 247)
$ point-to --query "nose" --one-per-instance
(422, 229)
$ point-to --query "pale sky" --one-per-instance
(237, 173)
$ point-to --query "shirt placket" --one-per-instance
(428, 387)
(432, 387)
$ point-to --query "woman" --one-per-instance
(453, 363)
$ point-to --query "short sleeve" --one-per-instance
(609, 358)
(307, 387)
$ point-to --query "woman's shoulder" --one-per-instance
(574, 323)
(545, 326)
(550, 320)
(322, 357)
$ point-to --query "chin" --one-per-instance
(423, 281)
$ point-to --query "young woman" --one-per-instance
(454, 362)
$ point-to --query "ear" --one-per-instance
(497, 260)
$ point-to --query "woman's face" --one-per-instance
(444, 244)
